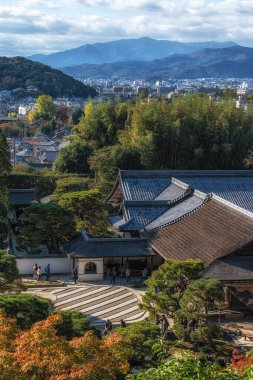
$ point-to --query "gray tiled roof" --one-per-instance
(143, 188)
(175, 190)
(22, 197)
(235, 189)
(184, 207)
(83, 246)
(144, 214)
(231, 268)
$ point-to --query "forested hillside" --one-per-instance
(192, 132)
(20, 72)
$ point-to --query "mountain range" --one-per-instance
(141, 49)
(234, 61)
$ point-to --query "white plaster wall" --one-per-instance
(58, 265)
(90, 277)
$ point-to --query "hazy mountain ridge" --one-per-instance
(20, 72)
(235, 61)
(144, 49)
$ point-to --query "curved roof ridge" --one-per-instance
(115, 186)
(207, 199)
(233, 206)
(188, 190)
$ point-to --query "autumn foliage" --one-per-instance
(40, 354)
(241, 362)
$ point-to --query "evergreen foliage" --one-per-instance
(9, 275)
(50, 224)
(89, 210)
(27, 309)
(142, 336)
(191, 132)
(74, 158)
(19, 72)
(74, 324)
(71, 184)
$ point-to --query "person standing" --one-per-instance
(39, 273)
(113, 274)
(144, 275)
(47, 271)
(35, 268)
(108, 327)
(122, 323)
(128, 275)
(75, 275)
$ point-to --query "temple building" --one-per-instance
(161, 215)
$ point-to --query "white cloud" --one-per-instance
(31, 26)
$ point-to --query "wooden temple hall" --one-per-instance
(161, 215)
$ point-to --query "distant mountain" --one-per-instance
(235, 61)
(20, 72)
(144, 49)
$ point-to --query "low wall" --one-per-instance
(58, 265)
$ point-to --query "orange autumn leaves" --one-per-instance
(40, 354)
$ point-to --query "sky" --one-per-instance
(44, 26)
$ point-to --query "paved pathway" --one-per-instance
(98, 302)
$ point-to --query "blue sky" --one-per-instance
(45, 26)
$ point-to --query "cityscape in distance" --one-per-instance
(126, 190)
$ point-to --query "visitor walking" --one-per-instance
(128, 275)
(35, 268)
(39, 273)
(113, 274)
(108, 327)
(122, 323)
(107, 273)
(144, 275)
(47, 271)
(75, 275)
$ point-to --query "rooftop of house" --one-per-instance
(22, 197)
(84, 246)
(231, 268)
(235, 186)
(243, 293)
(215, 229)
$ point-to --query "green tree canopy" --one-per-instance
(74, 324)
(49, 223)
(191, 320)
(4, 156)
(89, 210)
(167, 285)
(45, 109)
(70, 185)
(27, 309)
(74, 158)
(9, 275)
(142, 336)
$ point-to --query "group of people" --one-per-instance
(108, 326)
(37, 272)
(111, 274)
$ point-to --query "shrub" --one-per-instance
(142, 336)
(27, 309)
